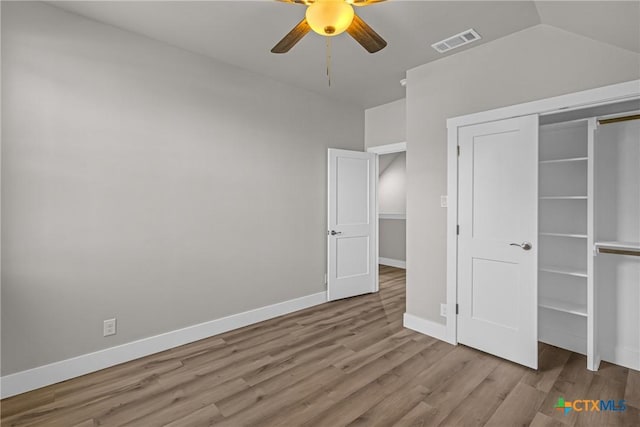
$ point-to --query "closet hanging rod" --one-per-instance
(619, 119)
(618, 251)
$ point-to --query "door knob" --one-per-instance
(524, 245)
(335, 233)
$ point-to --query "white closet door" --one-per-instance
(497, 242)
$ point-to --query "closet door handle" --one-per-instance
(524, 245)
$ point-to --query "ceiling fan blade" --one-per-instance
(364, 2)
(294, 36)
(305, 2)
(364, 34)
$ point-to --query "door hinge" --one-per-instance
(458, 151)
(458, 230)
(457, 310)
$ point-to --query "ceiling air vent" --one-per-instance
(458, 40)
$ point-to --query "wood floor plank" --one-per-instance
(322, 354)
(77, 407)
(17, 404)
(86, 423)
(572, 383)
(374, 351)
(613, 372)
(441, 371)
(483, 401)
(206, 416)
(348, 383)
(298, 372)
(455, 391)
(362, 376)
(345, 362)
(418, 416)
(632, 389)
(347, 409)
(363, 340)
(138, 368)
(519, 408)
(186, 399)
(542, 420)
(551, 361)
(261, 411)
(606, 388)
(390, 409)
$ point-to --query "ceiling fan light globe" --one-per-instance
(329, 17)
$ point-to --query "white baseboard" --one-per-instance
(392, 262)
(623, 356)
(562, 339)
(41, 376)
(426, 327)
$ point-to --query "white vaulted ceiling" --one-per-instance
(242, 33)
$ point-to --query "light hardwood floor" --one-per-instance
(348, 362)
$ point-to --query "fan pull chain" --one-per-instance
(329, 60)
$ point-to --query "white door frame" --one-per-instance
(396, 147)
(578, 100)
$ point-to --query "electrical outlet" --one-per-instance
(325, 278)
(443, 201)
(443, 310)
(109, 327)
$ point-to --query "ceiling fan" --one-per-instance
(330, 18)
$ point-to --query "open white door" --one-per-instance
(352, 246)
(497, 242)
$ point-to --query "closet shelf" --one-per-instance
(570, 159)
(564, 270)
(573, 235)
(392, 216)
(618, 248)
(563, 197)
(563, 306)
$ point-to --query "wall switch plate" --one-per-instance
(443, 310)
(443, 201)
(109, 327)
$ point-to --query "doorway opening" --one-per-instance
(392, 206)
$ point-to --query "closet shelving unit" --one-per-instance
(588, 208)
(616, 248)
(588, 242)
(565, 221)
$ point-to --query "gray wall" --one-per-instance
(143, 182)
(392, 196)
(392, 192)
(393, 239)
(385, 124)
(536, 63)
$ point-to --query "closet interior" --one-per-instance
(589, 232)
